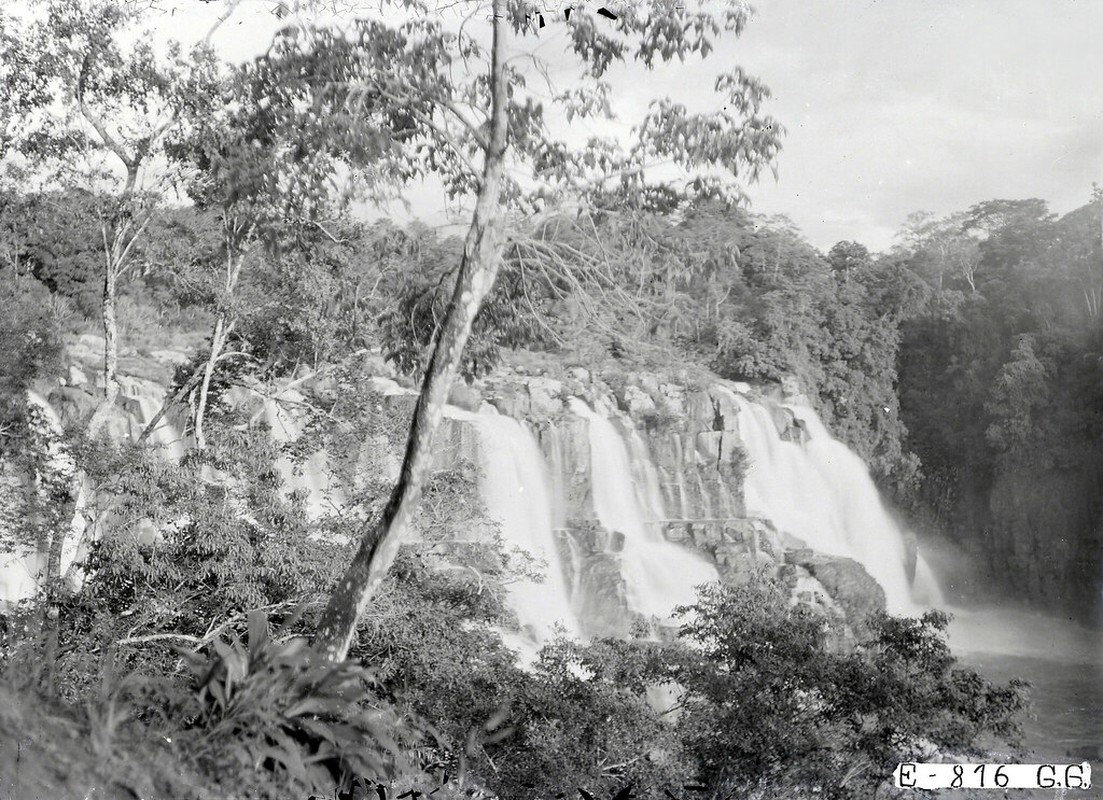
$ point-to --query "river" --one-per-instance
(1063, 661)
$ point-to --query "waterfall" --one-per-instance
(926, 590)
(313, 478)
(627, 499)
(23, 567)
(820, 491)
(148, 398)
(812, 488)
(520, 496)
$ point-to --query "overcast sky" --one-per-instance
(891, 107)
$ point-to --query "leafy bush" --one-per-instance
(584, 722)
(278, 705)
(769, 698)
(30, 346)
(410, 324)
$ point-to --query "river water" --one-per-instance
(1062, 659)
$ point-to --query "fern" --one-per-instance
(273, 703)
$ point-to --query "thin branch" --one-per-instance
(97, 123)
(230, 8)
(471, 126)
(161, 637)
(120, 271)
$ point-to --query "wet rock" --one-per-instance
(466, 397)
(759, 534)
(593, 538)
(678, 532)
(73, 405)
(544, 396)
(603, 596)
(789, 427)
(845, 580)
(673, 398)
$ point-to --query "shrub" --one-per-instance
(316, 724)
(768, 699)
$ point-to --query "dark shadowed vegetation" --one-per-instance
(218, 637)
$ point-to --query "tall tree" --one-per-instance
(440, 100)
(92, 112)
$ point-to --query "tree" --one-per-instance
(943, 248)
(848, 259)
(93, 113)
(809, 713)
(437, 100)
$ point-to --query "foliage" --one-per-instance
(584, 722)
(1000, 389)
(30, 343)
(273, 703)
(101, 94)
(183, 550)
(53, 236)
(808, 712)
(411, 324)
(975, 346)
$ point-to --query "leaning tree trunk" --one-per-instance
(479, 264)
(110, 350)
(224, 326)
(222, 330)
(173, 401)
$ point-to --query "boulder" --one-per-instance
(846, 582)
(638, 402)
(171, 357)
(603, 597)
(544, 396)
(74, 406)
(466, 397)
(75, 376)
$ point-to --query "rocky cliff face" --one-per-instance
(630, 486)
(686, 441)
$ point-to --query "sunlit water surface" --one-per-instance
(1062, 660)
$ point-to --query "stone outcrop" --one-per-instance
(688, 427)
(592, 554)
(844, 579)
(691, 429)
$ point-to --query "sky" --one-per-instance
(890, 106)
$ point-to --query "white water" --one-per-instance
(821, 492)
(518, 492)
(1063, 661)
(23, 568)
(658, 575)
(148, 398)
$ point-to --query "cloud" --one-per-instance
(890, 107)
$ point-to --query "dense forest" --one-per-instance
(964, 365)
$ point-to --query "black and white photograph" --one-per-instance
(551, 399)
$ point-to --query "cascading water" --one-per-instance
(820, 491)
(313, 478)
(519, 495)
(23, 567)
(658, 575)
(148, 399)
